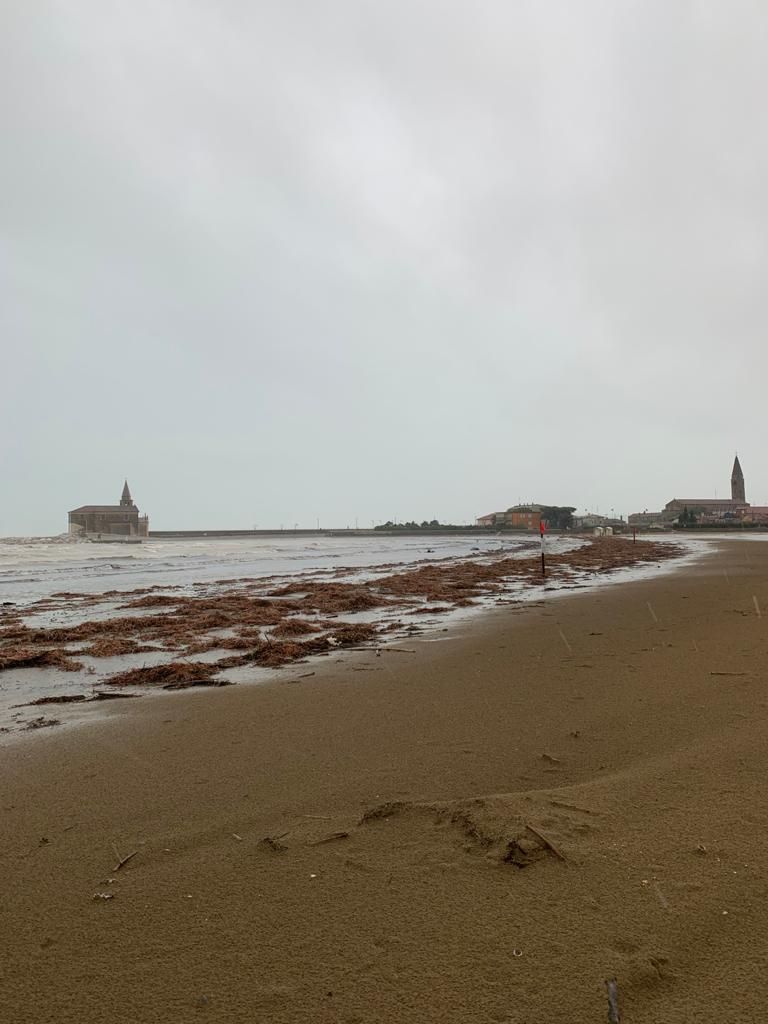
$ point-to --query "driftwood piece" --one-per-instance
(330, 838)
(122, 861)
(105, 695)
(546, 842)
(613, 1001)
(273, 843)
(386, 650)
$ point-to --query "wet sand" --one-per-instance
(485, 830)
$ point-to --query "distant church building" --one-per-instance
(97, 521)
(718, 508)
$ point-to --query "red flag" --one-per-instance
(542, 527)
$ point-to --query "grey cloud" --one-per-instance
(352, 259)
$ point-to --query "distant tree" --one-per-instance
(558, 517)
(432, 524)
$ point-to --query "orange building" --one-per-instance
(523, 517)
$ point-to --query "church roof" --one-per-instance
(126, 495)
(705, 501)
(102, 508)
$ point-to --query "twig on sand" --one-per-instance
(273, 842)
(330, 838)
(550, 758)
(729, 673)
(547, 842)
(385, 650)
(613, 1001)
(122, 861)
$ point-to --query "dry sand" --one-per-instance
(400, 881)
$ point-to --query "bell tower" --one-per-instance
(737, 483)
(127, 501)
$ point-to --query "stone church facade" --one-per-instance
(98, 521)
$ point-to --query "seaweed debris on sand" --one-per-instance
(27, 657)
(265, 625)
(177, 675)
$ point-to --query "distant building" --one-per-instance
(519, 517)
(590, 521)
(646, 519)
(756, 514)
(706, 510)
(716, 508)
(593, 521)
(121, 520)
(529, 517)
(526, 517)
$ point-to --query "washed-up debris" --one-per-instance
(122, 861)
(25, 657)
(272, 654)
(612, 987)
(65, 698)
(332, 838)
(293, 626)
(264, 628)
(273, 843)
(42, 723)
(115, 647)
(547, 842)
(76, 698)
(104, 695)
(103, 896)
(173, 676)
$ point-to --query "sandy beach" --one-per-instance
(485, 830)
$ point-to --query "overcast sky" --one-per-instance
(345, 259)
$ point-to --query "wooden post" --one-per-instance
(542, 531)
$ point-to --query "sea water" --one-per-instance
(36, 568)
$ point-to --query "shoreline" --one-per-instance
(629, 744)
(242, 630)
